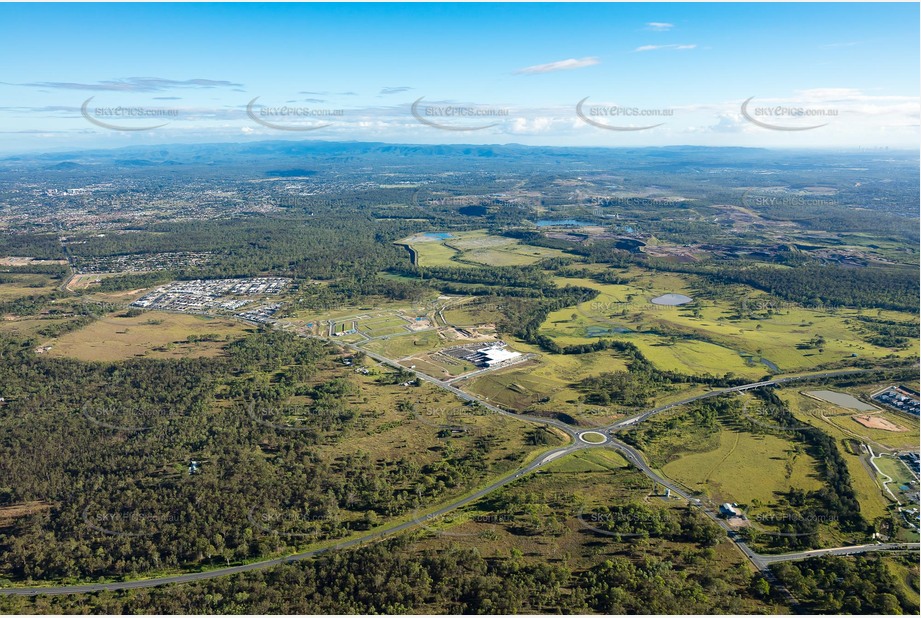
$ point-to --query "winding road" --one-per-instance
(632, 455)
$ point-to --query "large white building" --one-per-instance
(495, 355)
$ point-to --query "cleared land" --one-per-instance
(19, 285)
(710, 334)
(746, 467)
(545, 518)
(894, 469)
(549, 385)
(475, 248)
(877, 422)
(152, 334)
(863, 478)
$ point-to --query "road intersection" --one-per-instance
(578, 442)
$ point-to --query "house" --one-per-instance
(729, 510)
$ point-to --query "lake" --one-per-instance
(671, 300)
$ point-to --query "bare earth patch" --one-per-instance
(14, 511)
(876, 422)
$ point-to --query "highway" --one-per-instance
(632, 455)
(769, 559)
(266, 564)
(723, 391)
(569, 430)
(761, 561)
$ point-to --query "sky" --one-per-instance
(781, 75)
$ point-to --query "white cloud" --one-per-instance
(728, 123)
(643, 48)
(560, 65)
(659, 26)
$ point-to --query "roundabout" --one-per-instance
(593, 437)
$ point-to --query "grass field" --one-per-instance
(863, 478)
(842, 419)
(695, 357)
(401, 346)
(544, 519)
(588, 460)
(727, 463)
(153, 334)
(745, 467)
(381, 309)
(383, 326)
(469, 315)
(894, 469)
(438, 365)
(706, 336)
(20, 285)
(476, 247)
(387, 432)
(906, 574)
(515, 389)
(28, 326)
(435, 254)
(547, 385)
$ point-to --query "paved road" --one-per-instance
(265, 564)
(838, 551)
(479, 372)
(723, 391)
(761, 561)
(631, 454)
(568, 429)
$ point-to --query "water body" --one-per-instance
(842, 399)
(438, 235)
(671, 300)
(473, 211)
(770, 365)
(600, 331)
(562, 223)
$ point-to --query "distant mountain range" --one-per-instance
(276, 156)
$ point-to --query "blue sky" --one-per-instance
(818, 74)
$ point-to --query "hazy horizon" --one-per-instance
(594, 75)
